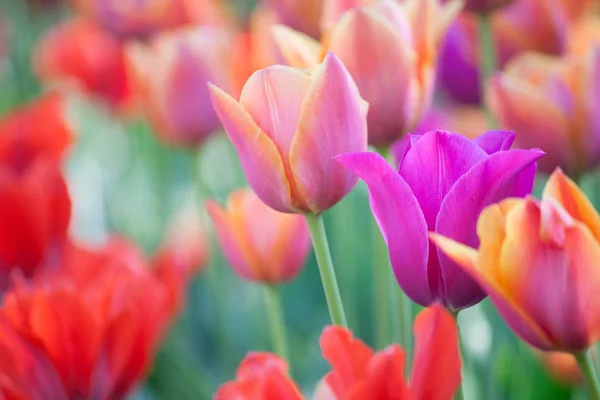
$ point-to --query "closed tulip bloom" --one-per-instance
(79, 52)
(260, 376)
(173, 71)
(443, 182)
(261, 244)
(400, 42)
(133, 19)
(287, 127)
(87, 329)
(554, 103)
(538, 261)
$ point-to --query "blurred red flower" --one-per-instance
(87, 329)
(35, 207)
(79, 52)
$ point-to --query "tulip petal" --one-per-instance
(400, 219)
(260, 158)
(511, 311)
(298, 50)
(377, 383)
(437, 356)
(384, 66)
(538, 121)
(349, 358)
(332, 122)
(230, 233)
(494, 141)
(434, 164)
(273, 98)
(567, 193)
(493, 179)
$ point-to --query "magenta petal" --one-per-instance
(400, 219)
(432, 166)
(401, 147)
(494, 141)
(501, 175)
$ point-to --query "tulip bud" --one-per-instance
(538, 261)
(288, 125)
(261, 244)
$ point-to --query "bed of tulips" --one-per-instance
(299, 199)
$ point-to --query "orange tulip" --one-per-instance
(553, 103)
(562, 366)
(398, 45)
(538, 261)
(173, 71)
(261, 244)
(85, 329)
(303, 16)
(79, 52)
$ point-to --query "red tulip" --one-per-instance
(86, 329)
(79, 52)
(35, 206)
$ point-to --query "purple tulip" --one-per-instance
(443, 183)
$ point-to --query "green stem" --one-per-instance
(459, 395)
(276, 321)
(588, 371)
(215, 278)
(488, 62)
(405, 307)
(381, 289)
(330, 286)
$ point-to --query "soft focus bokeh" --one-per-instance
(148, 151)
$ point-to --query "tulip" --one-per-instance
(538, 261)
(470, 121)
(132, 19)
(260, 376)
(561, 366)
(443, 182)
(79, 52)
(485, 6)
(173, 71)
(87, 329)
(400, 43)
(34, 202)
(523, 25)
(259, 243)
(554, 104)
(287, 127)
(360, 373)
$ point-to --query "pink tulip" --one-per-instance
(287, 127)
(173, 71)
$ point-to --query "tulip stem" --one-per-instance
(488, 62)
(381, 289)
(330, 286)
(588, 371)
(276, 321)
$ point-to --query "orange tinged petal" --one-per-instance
(260, 158)
(567, 193)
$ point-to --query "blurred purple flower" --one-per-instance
(443, 183)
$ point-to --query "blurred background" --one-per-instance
(126, 177)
